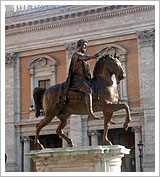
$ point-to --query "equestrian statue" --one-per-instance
(81, 94)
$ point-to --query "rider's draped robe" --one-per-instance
(79, 72)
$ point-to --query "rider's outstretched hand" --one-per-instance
(96, 55)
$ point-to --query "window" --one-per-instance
(44, 83)
(43, 74)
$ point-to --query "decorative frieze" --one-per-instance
(146, 37)
(68, 19)
(10, 59)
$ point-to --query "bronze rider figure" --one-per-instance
(79, 74)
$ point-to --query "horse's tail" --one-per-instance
(38, 95)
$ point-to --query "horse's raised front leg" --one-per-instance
(107, 122)
(61, 133)
(116, 107)
(47, 119)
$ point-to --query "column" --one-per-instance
(114, 164)
(146, 55)
(94, 137)
(54, 82)
(70, 49)
(85, 138)
(123, 83)
(10, 112)
(138, 137)
(146, 61)
(17, 104)
(32, 84)
(26, 162)
(76, 130)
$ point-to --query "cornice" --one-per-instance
(73, 18)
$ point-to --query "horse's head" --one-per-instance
(108, 65)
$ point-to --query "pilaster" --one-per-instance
(32, 84)
(11, 115)
(85, 138)
(94, 137)
(146, 50)
(76, 130)
(138, 137)
(26, 146)
(123, 83)
(10, 59)
(70, 49)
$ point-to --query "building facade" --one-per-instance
(40, 41)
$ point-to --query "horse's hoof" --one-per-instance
(42, 147)
(107, 142)
(112, 123)
(39, 145)
(71, 144)
(91, 116)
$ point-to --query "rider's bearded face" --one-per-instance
(84, 48)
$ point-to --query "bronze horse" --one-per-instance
(107, 72)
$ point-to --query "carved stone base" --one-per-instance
(11, 167)
(81, 159)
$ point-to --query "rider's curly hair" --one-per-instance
(81, 42)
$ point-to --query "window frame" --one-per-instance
(42, 67)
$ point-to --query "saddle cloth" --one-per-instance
(64, 94)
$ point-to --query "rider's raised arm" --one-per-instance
(86, 57)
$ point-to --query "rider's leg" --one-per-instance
(88, 99)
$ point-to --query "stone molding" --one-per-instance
(25, 138)
(42, 61)
(112, 49)
(73, 18)
(93, 133)
(10, 59)
(137, 129)
(146, 37)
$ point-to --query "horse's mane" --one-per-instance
(99, 65)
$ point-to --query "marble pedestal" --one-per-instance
(79, 159)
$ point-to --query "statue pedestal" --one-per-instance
(79, 159)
